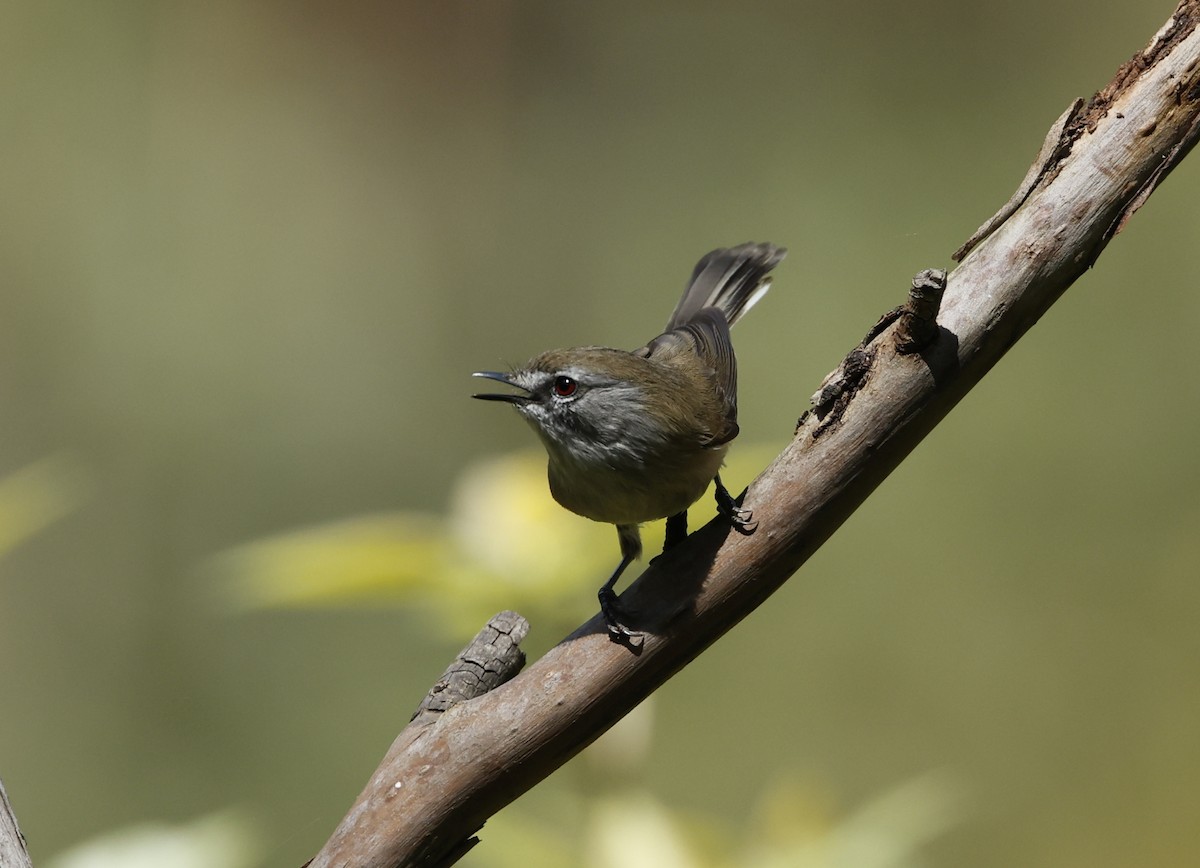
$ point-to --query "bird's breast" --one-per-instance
(633, 491)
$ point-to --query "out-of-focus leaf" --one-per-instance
(38, 495)
(886, 832)
(631, 829)
(504, 520)
(624, 750)
(504, 544)
(359, 558)
(226, 839)
(519, 839)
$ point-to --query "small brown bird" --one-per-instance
(637, 436)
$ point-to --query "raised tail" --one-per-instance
(731, 279)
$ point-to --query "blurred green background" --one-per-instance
(249, 255)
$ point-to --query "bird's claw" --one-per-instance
(742, 519)
(729, 506)
(613, 614)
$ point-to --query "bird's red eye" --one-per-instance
(565, 387)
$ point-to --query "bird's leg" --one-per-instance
(729, 506)
(631, 549)
(676, 530)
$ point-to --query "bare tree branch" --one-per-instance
(12, 843)
(1101, 161)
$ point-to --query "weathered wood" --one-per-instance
(13, 853)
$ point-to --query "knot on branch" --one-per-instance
(493, 657)
(916, 327)
(918, 318)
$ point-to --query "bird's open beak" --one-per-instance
(508, 381)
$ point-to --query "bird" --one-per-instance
(637, 436)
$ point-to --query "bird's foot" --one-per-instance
(731, 507)
(614, 617)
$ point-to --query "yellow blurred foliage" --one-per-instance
(504, 543)
(38, 495)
